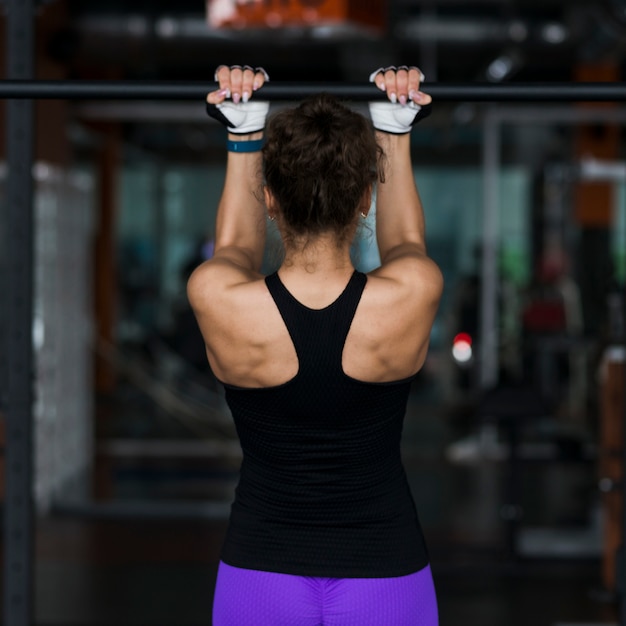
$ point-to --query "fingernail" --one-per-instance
(223, 92)
(236, 98)
(393, 97)
(245, 96)
(382, 87)
(255, 85)
(412, 94)
(419, 96)
(227, 90)
(402, 99)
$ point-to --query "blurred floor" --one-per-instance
(99, 573)
(137, 567)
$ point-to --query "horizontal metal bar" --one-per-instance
(163, 90)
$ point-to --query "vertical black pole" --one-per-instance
(621, 554)
(18, 300)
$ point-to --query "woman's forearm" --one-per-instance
(399, 214)
(240, 219)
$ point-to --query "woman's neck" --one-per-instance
(322, 255)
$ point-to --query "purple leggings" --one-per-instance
(244, 597)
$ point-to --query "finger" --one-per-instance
(222, 76)
(217, 97)
(390, 85)
(402, 84)
(379, 79)
(422, 98)
(247, 83)
(236, 82)
(415, 78)
(260, 78)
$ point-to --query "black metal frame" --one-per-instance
(17, 335)
(164, 90)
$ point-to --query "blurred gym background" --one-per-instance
(513, 438)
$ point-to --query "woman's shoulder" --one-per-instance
(218, 279)
(416, 275)
(240, 326)
(389, 337)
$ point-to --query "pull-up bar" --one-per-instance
(289, 91)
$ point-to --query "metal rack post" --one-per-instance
(18, 300)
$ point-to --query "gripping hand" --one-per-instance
(231, 105)
(406, 106)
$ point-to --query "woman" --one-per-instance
(317, 359)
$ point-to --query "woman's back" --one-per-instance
(322, 462)
(249, 345)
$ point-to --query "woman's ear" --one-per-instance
(366, 201)
(269, 202)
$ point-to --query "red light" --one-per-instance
(463, 338)
(462, 348)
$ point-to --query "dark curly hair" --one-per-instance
(319, 160)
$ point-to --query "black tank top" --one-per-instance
(322, 490)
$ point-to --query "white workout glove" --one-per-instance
(396, 118)
(241, 118)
